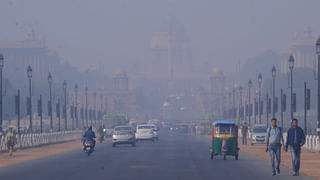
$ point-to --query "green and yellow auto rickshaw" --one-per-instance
(225, 139)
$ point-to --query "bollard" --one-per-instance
(314, 143)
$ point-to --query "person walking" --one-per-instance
(273, 145)
(295, 140)
(244, 131)
(11, 140)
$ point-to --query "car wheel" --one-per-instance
(152, 140)
(114, 145)
(136, 140)
(133, 144)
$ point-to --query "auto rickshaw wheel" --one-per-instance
(224, 156)
(212, 155)
(236, 156)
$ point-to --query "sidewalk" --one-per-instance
(39, 152)
(310, 162)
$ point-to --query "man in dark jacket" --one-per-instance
(89, 135)
(295, 139)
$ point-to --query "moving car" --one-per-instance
(155, 132)
(259, 133)
(123, 135)
(145, 132)
(109, 132)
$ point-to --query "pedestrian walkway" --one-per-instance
(310, 162)
(39, 152)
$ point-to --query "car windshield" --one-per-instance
(122, 129)
(224, 128)
(145, 127)
(259, 129)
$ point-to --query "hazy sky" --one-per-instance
(118, 32)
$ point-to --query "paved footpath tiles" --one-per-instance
(310, 161)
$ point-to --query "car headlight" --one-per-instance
(253, 137)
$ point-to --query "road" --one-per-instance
(174, 157)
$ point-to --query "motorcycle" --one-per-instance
(88, 147)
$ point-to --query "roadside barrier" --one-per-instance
(39, 139)
(312, 143)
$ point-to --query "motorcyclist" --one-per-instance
(89, 135)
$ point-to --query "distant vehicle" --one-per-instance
(155, 132)
(123, 135)
(259, 133)
(145, 132)
(109, 132)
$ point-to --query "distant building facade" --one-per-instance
(30, 51)
(170, 49)
(303, 51)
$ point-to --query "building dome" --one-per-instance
(166, 104)
(216, 72)
(120, 73)
(170, 29)
(31, 34)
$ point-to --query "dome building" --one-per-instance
(170, 50)
(303, 51)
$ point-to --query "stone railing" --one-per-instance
(312, 143)
(34, 140)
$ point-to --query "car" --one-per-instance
(123, 135)
(109, 132)
(145, 132)
(259, 134)
(155, 132)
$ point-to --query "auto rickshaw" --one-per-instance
(224, 139)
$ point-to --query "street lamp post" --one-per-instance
(233, 103)
(29, 73)
(240, 106)
(291, 66)
(250, 110)
(259, 97)
(94, 107)
(274, 73)
(50, 80)
(76, 105)
(86, 108)
(64, 85)
(318, 109)
(1, 107)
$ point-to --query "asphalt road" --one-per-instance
(174, 157)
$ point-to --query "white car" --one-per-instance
(145, 132)
(155, 132)
(259, 134)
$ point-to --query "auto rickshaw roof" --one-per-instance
(224, 122)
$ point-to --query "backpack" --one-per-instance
(269, 129)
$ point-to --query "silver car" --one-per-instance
(259, 134)
(123, 135)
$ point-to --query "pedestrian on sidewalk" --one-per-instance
(11, 140)
(274, 139)
(244, 131)
(295, 140)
